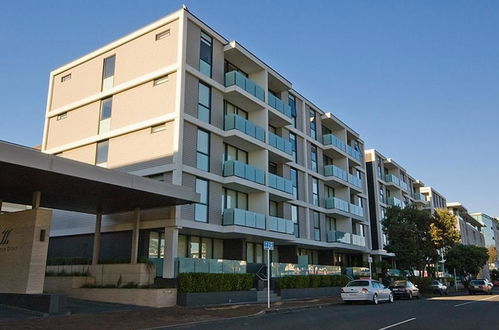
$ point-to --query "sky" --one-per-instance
(418, 80)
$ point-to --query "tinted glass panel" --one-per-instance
(109, 66)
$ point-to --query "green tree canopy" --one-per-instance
(443, 229)
(466, 259)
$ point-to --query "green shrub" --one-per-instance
(312, 281)
(205, 282)
(423, 283)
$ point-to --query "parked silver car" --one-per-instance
(366, 290)
(439, 287)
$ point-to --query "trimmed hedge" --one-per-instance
(206, 282)
(312, 281)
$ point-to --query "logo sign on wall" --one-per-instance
(5, 235)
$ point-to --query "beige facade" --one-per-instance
(226, 128)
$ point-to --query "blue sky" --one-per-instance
(419, 80)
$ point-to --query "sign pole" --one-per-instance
(455, 280)
(370, 260)
(268, 278)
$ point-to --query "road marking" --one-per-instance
(399, 323)
(474, 301)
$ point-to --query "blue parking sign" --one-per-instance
(267, 245)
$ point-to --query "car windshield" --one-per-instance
(358, 283)
(400, 283)
(478, 282)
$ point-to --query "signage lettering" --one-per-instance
(5, 236)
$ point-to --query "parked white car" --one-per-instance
(366, 290)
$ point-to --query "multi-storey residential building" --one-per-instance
(470, 228)
(490, 233)
(177, 102)
(389, 184)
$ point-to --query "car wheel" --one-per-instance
(409, 296)
(375, 299)
(390, 298)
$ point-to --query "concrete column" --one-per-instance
(135, 236)
(96, 249)
(37, 195)
(171, 248)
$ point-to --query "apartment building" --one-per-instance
(435, 199)
(490, 232)
(389, 184)
(177, 102)
(470, 228)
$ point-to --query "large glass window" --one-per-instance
(292, 104)
(330, 192)
(313, 125)
(317, 226)
(108, 72)
(233, 153)
(232, 109)
(204, 102)
(203, 150)
(156, 244)
(273, 209)
(294, 181)
(315, 191)
(233, 199)
(106, 108)
(294, 218)
(182, 246)
(201, 208)
(292, 139)
(102, 153)
(313, 159)
(381, 194)
(228, 67)
(330, 223)
(206, 54)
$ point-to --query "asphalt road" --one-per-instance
(451, 312)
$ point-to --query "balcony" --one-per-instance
(393, 201)
(333, 140)
(419, 197)
(280, 183)
(332, 170)
(238, 217)
(279, 105)
(355, 154)
(243, 91)
(215, 266)
(353, 180)
(356, 210)
(390, 178)
(337, 204)
(247, 127)
(403, 185)
(244, 171)
(280, 225)
(345, 238)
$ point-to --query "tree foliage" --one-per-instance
(492, 254)
(443, 229)
(467, 260)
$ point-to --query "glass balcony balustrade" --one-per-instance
(281, 225)
(233, 121)
(280, 143)
(243, 218)
(279, 105)
(337, 203)
(214, 266)
(280, 183)
(393, 201)
(236, 78)
(356, 210)
(336, 236)
(243, 171)
(331, 139)
(355, 154)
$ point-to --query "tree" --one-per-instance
(467, 260)
(492, 254)
(443, 230)
(408, 233)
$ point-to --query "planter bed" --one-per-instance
(216, 298)
(309, 292)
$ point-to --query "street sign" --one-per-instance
(369, 259)
(267, 245)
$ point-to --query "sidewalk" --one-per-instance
(162, 317)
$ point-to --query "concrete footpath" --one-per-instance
(148, 318)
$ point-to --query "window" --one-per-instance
(66, 78)
(313, 159)
(106, 108)
(102, 153)
(204, 102)
(292, 139)
(201, 208)
(317, 226)
(315, 192)
(162, 35)
(156, 244)
(205, 54)
(273, 168)
(108, 72)
(182, 246)
(254, 252)
(273, 208)
(380, 171)
(292, 104)
(228, 67)
(233, 153)
(294, 181)
(330, 192)
(158, 177)
(160, 80)
(313, 125)
(294, 218)
(230, 108)
(158, 128)
(62, 116)
(381, 194)
(330, 223)
(232, 199)
(203, 150)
